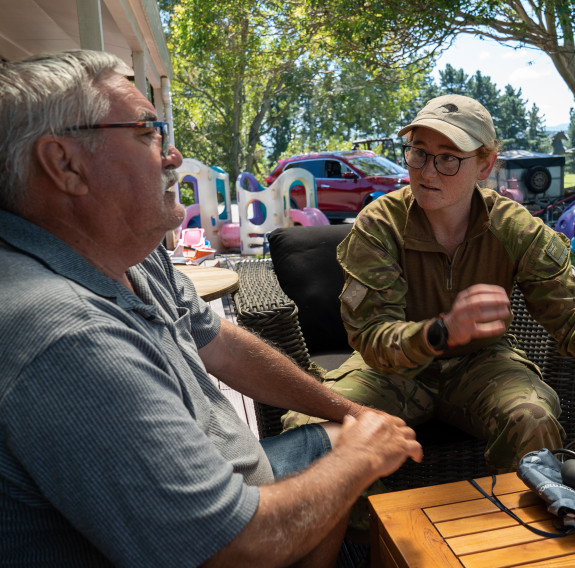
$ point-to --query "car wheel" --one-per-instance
(538, 179)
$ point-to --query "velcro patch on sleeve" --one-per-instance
(557, 250)
(353, 293)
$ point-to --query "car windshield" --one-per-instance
(376, 166)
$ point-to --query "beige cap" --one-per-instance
(463, 120)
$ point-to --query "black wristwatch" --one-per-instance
(437, 335)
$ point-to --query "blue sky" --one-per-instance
(529, 69)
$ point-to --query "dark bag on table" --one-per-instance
(541, 471)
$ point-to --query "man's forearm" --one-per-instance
(293, 517)
(295, 514)
(257, 370)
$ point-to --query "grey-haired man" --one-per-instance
(116, 448)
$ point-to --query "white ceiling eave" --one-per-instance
(130, 29)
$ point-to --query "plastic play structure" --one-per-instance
(193, 247)
(262, 209)
(512, 190)
(566, 225)
(566, 222)
(212, 193)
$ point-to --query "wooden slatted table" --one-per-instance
(453, 525)
(211, 282)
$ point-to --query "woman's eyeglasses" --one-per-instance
(446, 164)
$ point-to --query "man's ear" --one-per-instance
(60, 159)
(487, 166)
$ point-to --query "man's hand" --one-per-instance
(297, 512)
(386, 438)
(479, 311)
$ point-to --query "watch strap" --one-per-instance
(437, 335)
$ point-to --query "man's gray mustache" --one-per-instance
(169, 178)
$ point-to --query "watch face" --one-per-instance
(437, 335)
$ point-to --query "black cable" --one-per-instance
(564, 531)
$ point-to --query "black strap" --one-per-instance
(566, 451)
(564, 531)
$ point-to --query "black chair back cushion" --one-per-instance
(305, 263)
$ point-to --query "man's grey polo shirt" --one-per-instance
(110, 425)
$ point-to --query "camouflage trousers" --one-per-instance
(495, 394)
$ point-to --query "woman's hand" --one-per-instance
(478, 311)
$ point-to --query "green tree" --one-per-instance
(428, 90)
(230, 62)
(537, 137)
(344, 102)
(511, 122)
(482, 88)
(254, 75)
(397, 32)
(516, 127)
(453, 81)
(255, 78)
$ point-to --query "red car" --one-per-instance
(346, 181)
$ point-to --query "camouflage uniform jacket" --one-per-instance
(397, 276)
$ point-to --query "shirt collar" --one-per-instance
(62, 259)
(419, 235)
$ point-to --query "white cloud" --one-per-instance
(528, 74)
(514, 54)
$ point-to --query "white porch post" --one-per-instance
(90, 24)
(167, 100)
(139, 64)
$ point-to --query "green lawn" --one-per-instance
(569, 180)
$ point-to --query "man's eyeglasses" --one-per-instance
(161, 127)
(446, 164)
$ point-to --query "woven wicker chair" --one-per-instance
(450, 454)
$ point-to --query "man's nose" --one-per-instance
(173, 157)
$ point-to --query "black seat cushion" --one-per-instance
(306, 266)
